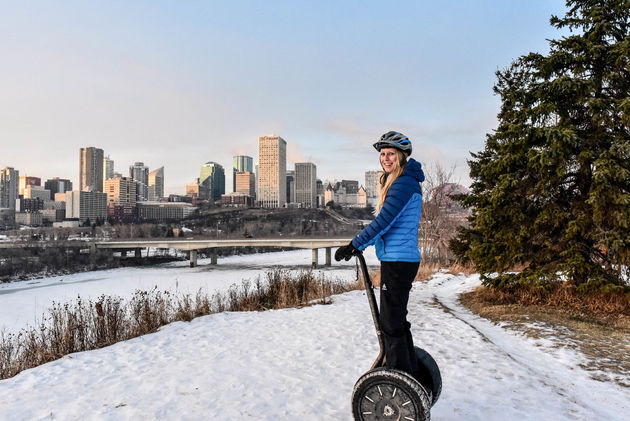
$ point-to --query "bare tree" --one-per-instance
(441, 214)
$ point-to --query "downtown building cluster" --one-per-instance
(106, 195)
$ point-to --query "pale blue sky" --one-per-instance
(180, 83)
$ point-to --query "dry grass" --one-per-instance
(605, 308)
(85, 324)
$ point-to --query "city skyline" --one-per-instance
(143, 82)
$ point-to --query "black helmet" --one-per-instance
(394, 140)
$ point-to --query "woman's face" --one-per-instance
(389, 159)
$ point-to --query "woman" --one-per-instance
(394, 232)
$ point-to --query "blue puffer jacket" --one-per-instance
(395, 230)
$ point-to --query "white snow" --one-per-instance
(301, 364)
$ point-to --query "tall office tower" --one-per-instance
(156, 184)
(272, 171)
(26, 180)
(306, 184)
(241, 163)
(91, 169)
(108, 169)
(246, 183)
(121, 197)
(212, 176)
(290, 186)
(140, 173)
(371, 183)
(9, 180)
(57, 185)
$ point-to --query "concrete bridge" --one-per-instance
(194, 245)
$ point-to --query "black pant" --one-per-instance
(396, 279)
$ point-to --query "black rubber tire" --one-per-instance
(387, 394)
(429, 375)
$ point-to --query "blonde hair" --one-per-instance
(387, 179)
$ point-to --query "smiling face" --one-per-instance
(389, 159)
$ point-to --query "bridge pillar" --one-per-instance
(123, 253)
(315, 255)
(213, 259)
(193, 258)
(138, 253)
(328, 260)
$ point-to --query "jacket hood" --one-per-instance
(414, 169)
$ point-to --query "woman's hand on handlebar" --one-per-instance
(346, 252)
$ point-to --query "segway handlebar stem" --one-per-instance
(369, 289)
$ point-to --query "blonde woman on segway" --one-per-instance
(394, 233)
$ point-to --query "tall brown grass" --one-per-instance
(561, 296)
(86, 324)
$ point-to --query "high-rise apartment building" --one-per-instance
(272, 171)
(86, 205)
(212, 176)
(9, 181)
(241, 163)
(371, 183)
(57, 185)
(26, 180)
(91, 169)
(306, 184)
(156, 184)
(246, 183)
(140, 173)
(108, 169)
(121, 197)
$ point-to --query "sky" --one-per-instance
(178, 84)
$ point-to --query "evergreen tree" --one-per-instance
(551, 189)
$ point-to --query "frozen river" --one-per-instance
(24, 303)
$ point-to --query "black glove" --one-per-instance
(345, 252)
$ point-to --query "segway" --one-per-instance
(388, 394)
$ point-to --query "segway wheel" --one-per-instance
(429, 375)
(387, 394)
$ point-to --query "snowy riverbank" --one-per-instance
(302, 364)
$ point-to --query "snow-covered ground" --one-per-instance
(301, 364)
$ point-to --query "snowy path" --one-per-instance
(302, 365)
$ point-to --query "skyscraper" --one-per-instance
(121, 197)
(9, 180)
(140, 173)
(212, 176)
(57, 185)
(241, 163)
(306, 184)
(108, 169)
(272, 171)
(91, 169)
(245, 183)
(371, 183)
(156, 184)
